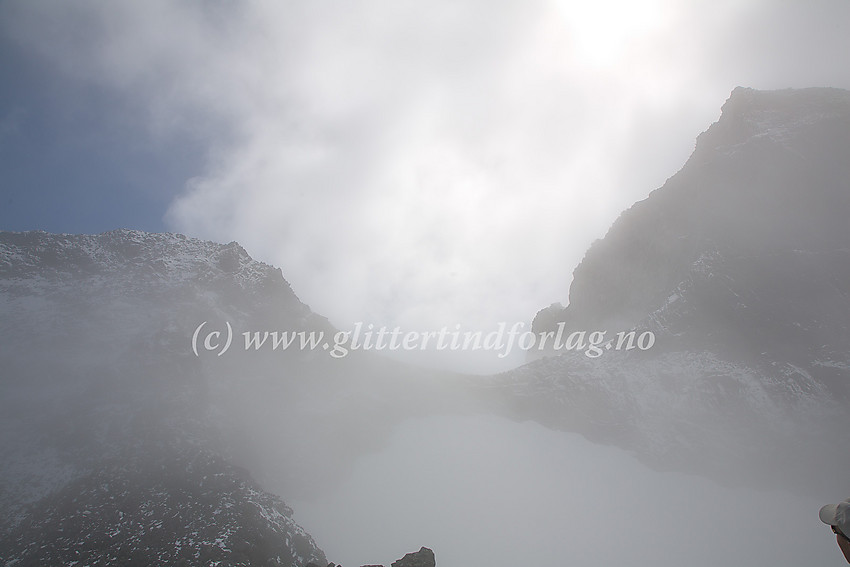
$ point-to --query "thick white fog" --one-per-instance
(426, 164)
(488, 491)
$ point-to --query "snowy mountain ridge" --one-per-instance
(128, 261)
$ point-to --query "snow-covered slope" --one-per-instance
(740, 266)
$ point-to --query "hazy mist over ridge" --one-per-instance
(365, 437)
(194, 193)
(405, 164)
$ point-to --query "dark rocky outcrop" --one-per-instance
(422, 558)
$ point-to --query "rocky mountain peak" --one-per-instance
(769, 177)
(740, 267)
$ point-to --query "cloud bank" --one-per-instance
(428, 164)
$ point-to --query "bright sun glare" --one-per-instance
(603, 32)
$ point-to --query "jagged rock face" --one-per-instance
(740, 265)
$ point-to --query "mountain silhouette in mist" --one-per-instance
(105, 407)
(739, 265)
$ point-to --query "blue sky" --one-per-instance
(404, 163)
(76, 158)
